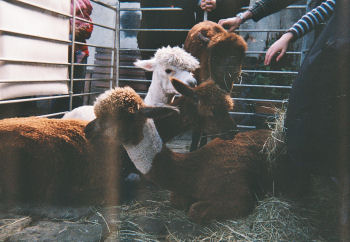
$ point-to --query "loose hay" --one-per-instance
(153, 220)
(273, 219)
(274, 146)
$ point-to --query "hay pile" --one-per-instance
(274, 219)
(275, 144)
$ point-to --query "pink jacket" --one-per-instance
(83, 30)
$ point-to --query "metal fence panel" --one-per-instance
(112, 63)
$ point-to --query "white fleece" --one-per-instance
(143, 153)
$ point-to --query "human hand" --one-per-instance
(208, 5)
(234, 22)
(280, 45)
(231, 23)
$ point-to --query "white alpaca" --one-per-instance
(81, 113)
(167, 62)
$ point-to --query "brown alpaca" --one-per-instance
(213, 117)
(220, 53)
(50, 161)
(219, 181)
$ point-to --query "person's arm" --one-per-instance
(263, 8)
(228, 8)
(260, 9)
(314, 17)
(300, 28)
(281, 45)
(219, 9)
(234, 22)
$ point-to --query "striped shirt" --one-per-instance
(316, 16)
(263, 8)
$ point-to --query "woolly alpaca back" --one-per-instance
(220, 159)
(50, 161)
(38, 157)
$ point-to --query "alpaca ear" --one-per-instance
(92, 129)
(182, 88)
(204, 39)
(159, 112)
(147, 65)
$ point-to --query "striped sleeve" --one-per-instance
(316, 16)
(263, 8)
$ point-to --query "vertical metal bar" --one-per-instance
(205, 16)
(116, 51)
(72, 58)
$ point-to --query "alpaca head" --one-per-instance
(208, 106)
(167, 62)
(121, 114)
(226, 52)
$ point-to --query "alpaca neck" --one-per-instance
(143, 153)
(155, 95)
(169, 169)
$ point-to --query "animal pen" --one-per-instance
(111, 64)
(28, 65)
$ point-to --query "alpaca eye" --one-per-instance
(168, 71)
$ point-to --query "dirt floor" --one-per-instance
(150, 217)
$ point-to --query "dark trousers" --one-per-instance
(318, 115)
(62, 104)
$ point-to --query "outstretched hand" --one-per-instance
(280, 46)
(233, 23)
(230, 23)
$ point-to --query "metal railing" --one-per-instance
(114, 66)
(246, 100)
(71, 64)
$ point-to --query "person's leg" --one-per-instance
(318, 135)
(78, 86)
(307, 117)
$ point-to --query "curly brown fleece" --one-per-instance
(50, 161)
(118, 98)
(221, 46)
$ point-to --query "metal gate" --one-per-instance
(41, 105)
(111, 64)
(252, 109)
